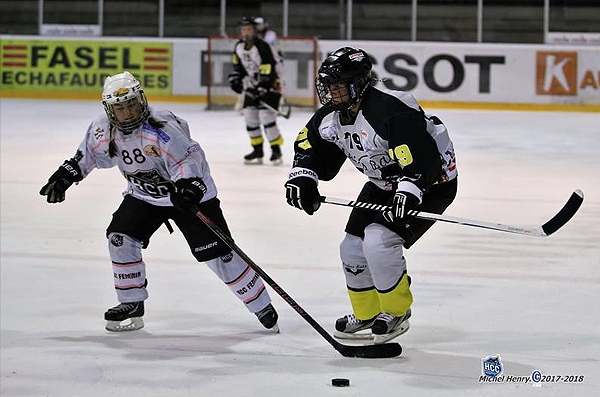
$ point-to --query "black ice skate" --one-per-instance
(256, 156)
(349, 327)
(268, 318)
(116, 317)
(276, 155)
(388, 327)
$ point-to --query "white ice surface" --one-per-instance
(533, 301)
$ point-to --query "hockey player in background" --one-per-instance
(167, 178)
(255, 75)
(408, 158)
(270, 36)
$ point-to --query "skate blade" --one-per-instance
(277, 162)
(378, 339)
(274, 329)
(353, 336)
(131, 324)
(253, 162)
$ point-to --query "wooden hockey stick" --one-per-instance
(384, 350)
(556, 222)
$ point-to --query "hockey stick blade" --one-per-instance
(384, 350)
(557, 221)
(565, 214)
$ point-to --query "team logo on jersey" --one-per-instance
(116, 240)
(152, 150)
(99, 133)
(556, 73)
(149, 182)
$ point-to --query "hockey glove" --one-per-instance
(58, 183)
(187, 194)
(407, 198)
(257, 92)
(235, 82)
(301, 191)
(265, 82)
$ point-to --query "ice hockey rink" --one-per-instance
(533, 301)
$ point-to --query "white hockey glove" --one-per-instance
(407, 198)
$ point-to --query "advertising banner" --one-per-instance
(81, 66)
(486, 73)
(176, 69)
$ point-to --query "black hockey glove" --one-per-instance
(187, 194)
(235, 82)
(403, 202)
(265, 82)
(58, 183)
(301, 191)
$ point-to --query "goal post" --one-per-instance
(301, 60)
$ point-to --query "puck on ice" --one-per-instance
(340, 382)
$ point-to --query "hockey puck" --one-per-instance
(340, 382)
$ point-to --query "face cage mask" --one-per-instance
(355, 92)
(130, 125)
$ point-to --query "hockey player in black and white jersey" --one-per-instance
(407, 156)
(167, 178)
(255, 75)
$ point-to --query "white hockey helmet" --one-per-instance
(121, 88)
(261, 25)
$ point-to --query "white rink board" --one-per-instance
(486, 72)
(449, 72)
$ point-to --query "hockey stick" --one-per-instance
(384, 350)
(557, 221)
(285, 115)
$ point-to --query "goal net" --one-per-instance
(299, 70)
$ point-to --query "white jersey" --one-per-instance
(271, 37)
(150, 158)
(255, 63)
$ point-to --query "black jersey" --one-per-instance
(391, 139)
(257, 64)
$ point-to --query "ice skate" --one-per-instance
(349, 327)
(268, 318)
(256, 156)
(387, 327)
(276, 155)
(125, 317)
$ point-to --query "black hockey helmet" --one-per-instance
(345, 66)
(248, 21)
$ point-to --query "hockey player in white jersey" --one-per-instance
(167, 178)
(408, 158)
(255, 75)
(270, 36)
(263, 31)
